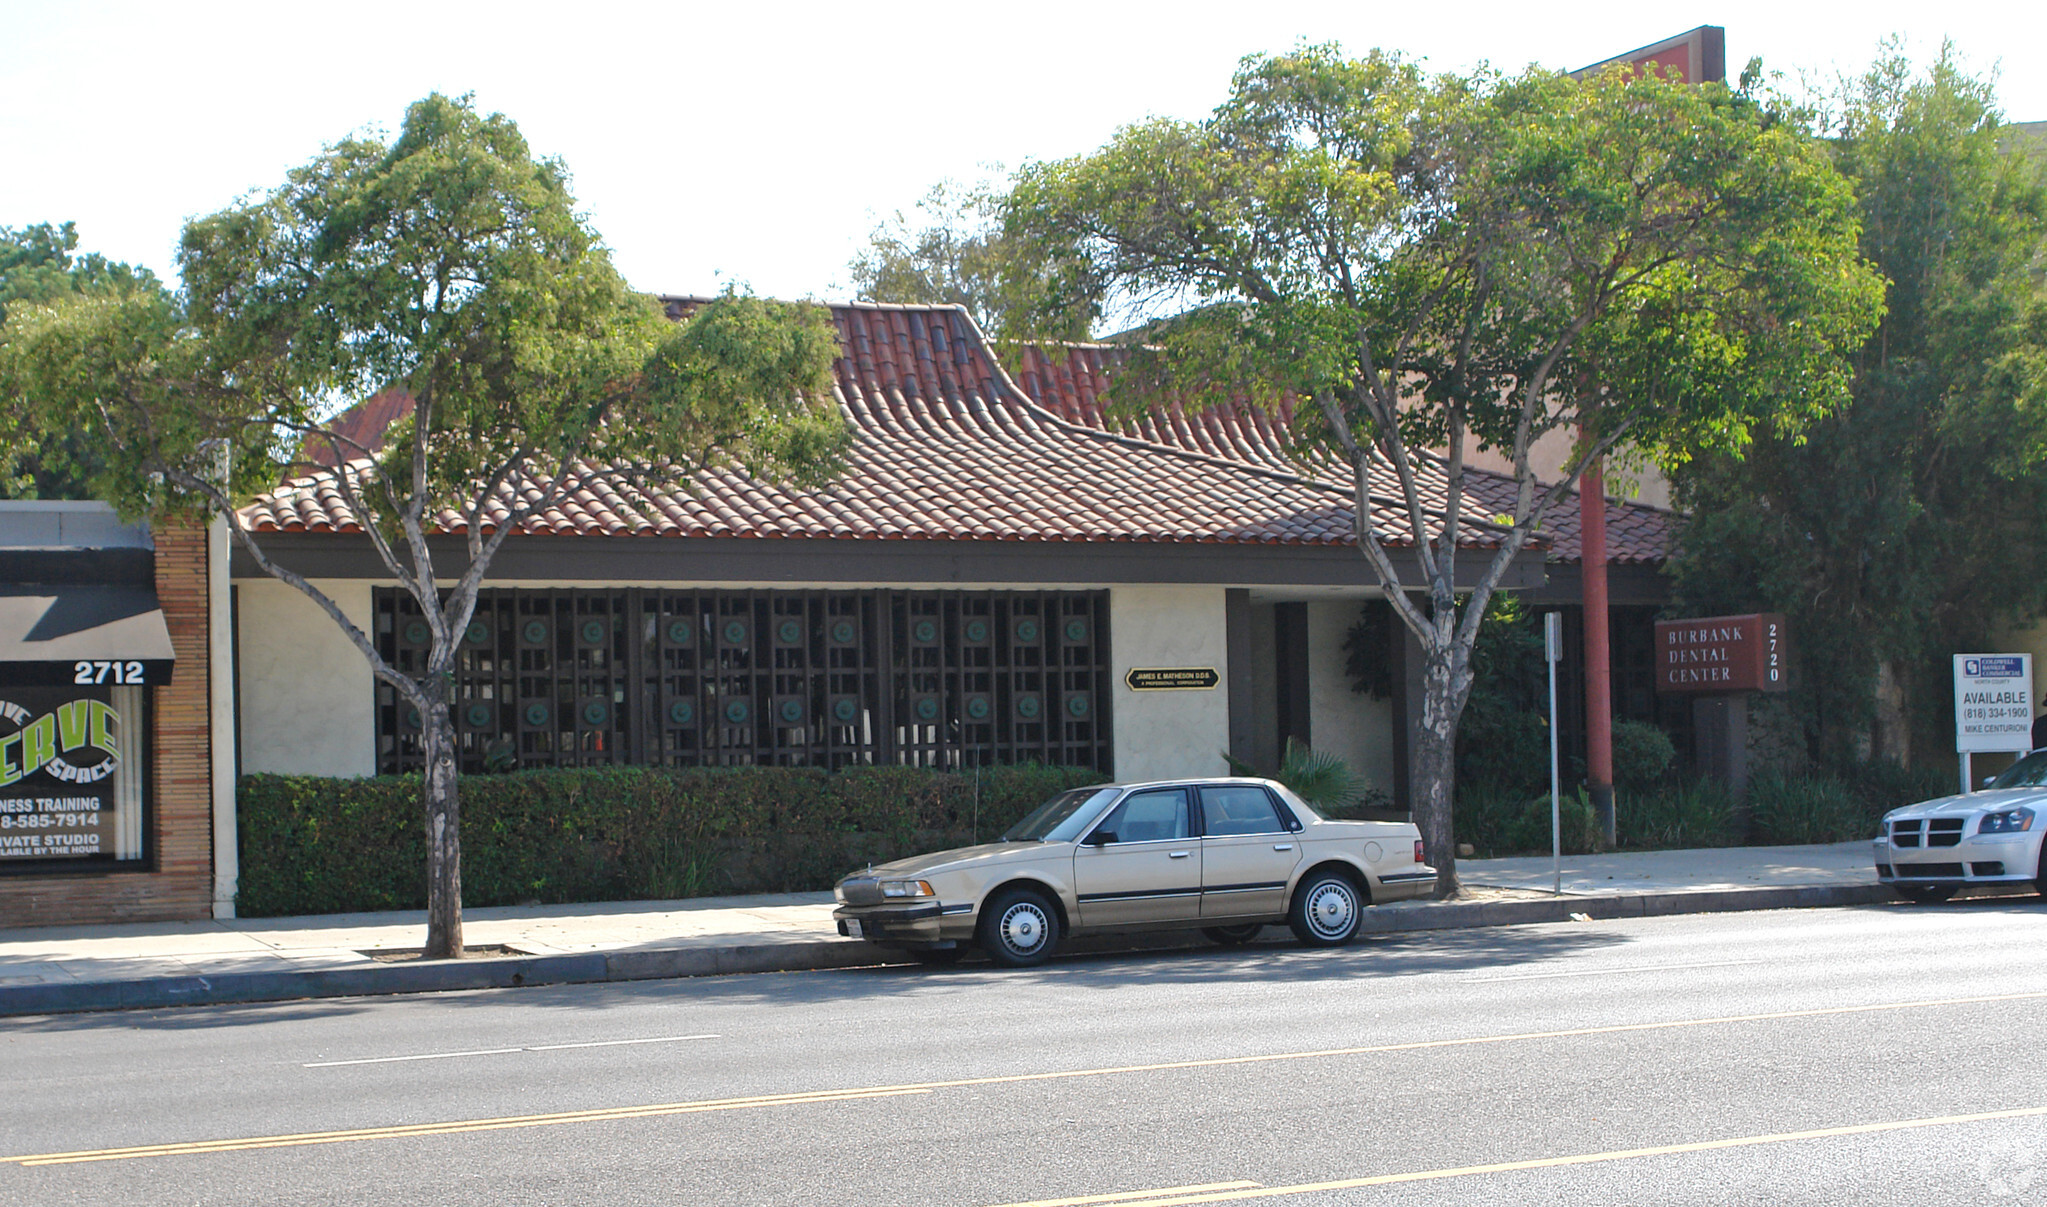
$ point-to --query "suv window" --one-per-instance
(1154, 816)
(1238, 809)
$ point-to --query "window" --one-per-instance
(72, 767)
(684, 678)
(1155, 816)
(1238, 809)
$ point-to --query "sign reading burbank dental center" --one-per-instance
(1720, 655)
(59, 751)
(1993, 703)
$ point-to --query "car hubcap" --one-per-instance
(1023, 929)
(1330, 910)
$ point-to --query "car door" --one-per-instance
(1248, 852)
(1150, 871)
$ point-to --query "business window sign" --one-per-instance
(1993, 702)
(66, 791)
(1721, 655)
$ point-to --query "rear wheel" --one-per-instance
(1018, 928)
(1326, 910)
(1230, 936)
(1924, 894)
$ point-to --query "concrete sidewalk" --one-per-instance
(57, 969)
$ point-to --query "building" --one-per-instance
(1004, 573)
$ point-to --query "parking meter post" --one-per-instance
(1553, 653)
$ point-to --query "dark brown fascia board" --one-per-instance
(799, 562)
(1627, 584)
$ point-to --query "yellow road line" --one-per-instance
(1131, 1196)
(453, 1127)
(921, 1087)
(1174, 1197)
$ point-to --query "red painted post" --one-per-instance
(1598, 664)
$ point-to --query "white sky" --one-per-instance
(715, 142)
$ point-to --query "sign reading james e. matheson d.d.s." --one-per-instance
(1993, 702)
(1172, 678)
(59, 750)
(1722, 654)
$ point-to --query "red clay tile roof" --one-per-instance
(947, 447)
(1074, 380)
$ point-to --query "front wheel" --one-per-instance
(1924, 894)
(1326, 910)
(1019, 928)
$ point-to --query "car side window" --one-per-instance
(1154, 816)
(1238, 809)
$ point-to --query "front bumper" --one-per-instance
(910, 923)
(1974, 860)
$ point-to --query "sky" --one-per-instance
(761, 144)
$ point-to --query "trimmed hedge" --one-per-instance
(313, 845)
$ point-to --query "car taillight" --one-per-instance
(1417, 850)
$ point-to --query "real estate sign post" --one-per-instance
(1993, 706)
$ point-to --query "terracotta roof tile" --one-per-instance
(947, 447)
(1073, 380)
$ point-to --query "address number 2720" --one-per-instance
(101, 671)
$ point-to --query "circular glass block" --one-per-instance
(682, 712)
(976, 630)
(925, 631)
(595, 713)
(417, 633)
(845, 710)
(735, 711)
(1027, 630)
(789, 632)
(791, 711)
(680, 632)
(479, 715)
(977, 707)
(592, 632)
(1027, 706)
(535, 632)
(536, 714)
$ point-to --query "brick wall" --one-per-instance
(180, 797)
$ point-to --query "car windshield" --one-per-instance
(1059, 819)
(2028, 772)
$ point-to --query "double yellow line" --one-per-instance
(456, 1127)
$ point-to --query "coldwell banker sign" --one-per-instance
(59, 750)
(1720, 655)
(1993, 702)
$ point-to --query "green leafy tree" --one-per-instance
(1906, 525)
(958, 254)
(1432, 262)
(450, 263)
(39, 266)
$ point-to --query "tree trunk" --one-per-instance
(1893, 720)
(1435, 771)
(443, 833)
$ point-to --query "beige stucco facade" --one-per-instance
(307, 697)
(1164, 734)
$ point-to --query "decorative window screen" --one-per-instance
(798, 678)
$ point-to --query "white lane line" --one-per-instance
(1541, 976)
(594, 1043)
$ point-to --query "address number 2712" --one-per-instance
(102, 671)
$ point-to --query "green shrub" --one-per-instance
(1642, 754)
(1675, 816)
(1500, 822)
(1789, 811)
(316, 845)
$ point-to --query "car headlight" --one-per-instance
(907, 888)
(2009, 821)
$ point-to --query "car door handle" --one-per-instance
(1176, 854)
(1282, 846)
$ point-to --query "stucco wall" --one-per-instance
(1354, 727)
(1160, 734)
(306, 692)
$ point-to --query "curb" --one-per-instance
(505, 972)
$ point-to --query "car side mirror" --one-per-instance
(1988, 780)
(1101, 838)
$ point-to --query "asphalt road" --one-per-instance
(1849, 1056)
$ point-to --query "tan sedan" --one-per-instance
(1227, 856)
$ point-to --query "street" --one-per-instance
(1841, 1056)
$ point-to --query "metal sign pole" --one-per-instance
(1553, 650)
